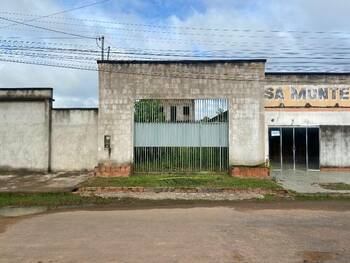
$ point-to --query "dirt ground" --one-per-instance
(245, 232)
(36, 182)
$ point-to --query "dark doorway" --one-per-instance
(313, 148)
(287, 148)
(275, 147)
(300, 148)
(294, 148)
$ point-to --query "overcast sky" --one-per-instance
(127, 29)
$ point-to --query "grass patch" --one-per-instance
(336, 186)
(183, 181)
(48, 199)
(321, 197)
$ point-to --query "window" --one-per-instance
(186, 110)
(173, 113)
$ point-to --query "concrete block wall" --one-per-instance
(74, 139)
(335, 146)
(35, 137)
(307, 78)
(24, 129)
(240, 82)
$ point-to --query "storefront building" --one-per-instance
(307, 119)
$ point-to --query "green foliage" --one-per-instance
(180, 159)
(321, 197)
(149, 111)
(183, 181)
(47, 199)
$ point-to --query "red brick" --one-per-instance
(109, 170)
(250, 172)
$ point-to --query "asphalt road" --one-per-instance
(212, 234)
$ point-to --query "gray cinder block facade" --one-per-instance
(240, 82)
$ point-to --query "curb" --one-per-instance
(109, 189)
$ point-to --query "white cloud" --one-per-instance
(79, 88)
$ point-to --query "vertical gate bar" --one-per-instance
(159, 135)
(281, 147)
(319, 147)
(200, 146)
(220, 135)
(211, 159)
(293, 148)
(167, 158)
(220, 159)
(307, 150)
(140, 119)
(147, 160)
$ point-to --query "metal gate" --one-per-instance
(181, 135)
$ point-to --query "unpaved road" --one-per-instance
(202, 234)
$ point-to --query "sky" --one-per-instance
(271, 29)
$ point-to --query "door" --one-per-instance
(300, 149)
(287, 148)
(296, 148)
(275, 148)
(313, 148)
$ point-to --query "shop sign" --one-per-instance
(301, 95)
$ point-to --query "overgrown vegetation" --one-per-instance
(64, 200)
(184, 181)
(321, 197)
(180, 159)
(48, 199)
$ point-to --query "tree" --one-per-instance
(149, 111)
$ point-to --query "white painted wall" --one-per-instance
(74, 139)
(24, 135)
(335, 146)
(307, 118)
(334, 132)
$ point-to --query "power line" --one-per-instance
(243, 33)
(263, 52)
(60, 12)
(84, 55)
(177, 75)
(189, 27)
(47, 29)
(287, 58)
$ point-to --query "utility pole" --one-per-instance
(102, 39)
(108, 51)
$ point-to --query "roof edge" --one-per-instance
(26, 88)
(77, 108)
(186, 61)
(307, 73)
